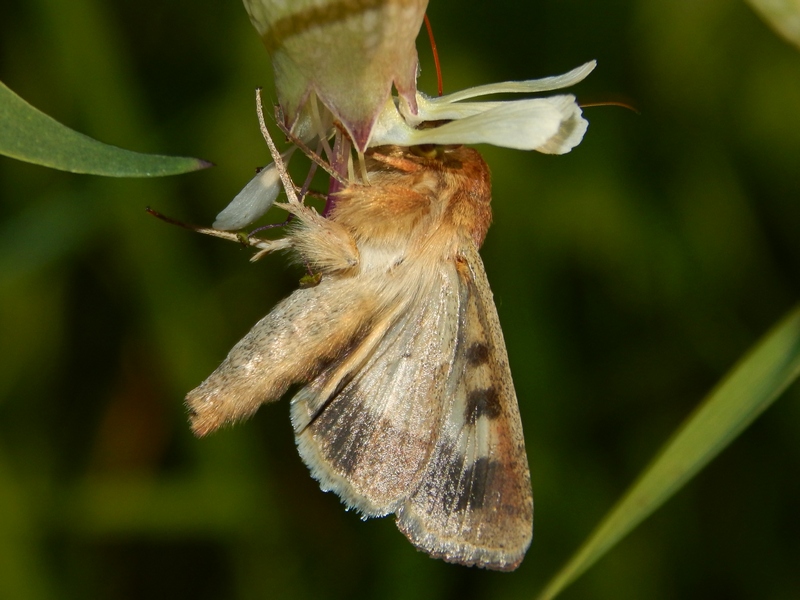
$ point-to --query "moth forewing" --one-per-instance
(374, 427)
(290, 345)
(475, 505)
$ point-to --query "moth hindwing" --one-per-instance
(408, 405)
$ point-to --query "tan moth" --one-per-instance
(408, 405)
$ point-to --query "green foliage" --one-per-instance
(30, 135)
(752, 385)
(630, 276)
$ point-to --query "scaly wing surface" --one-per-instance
(474, 504)
(422, 420)
(367, 425)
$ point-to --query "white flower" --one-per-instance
(552, 125)
(336, 62)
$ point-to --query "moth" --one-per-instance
(408, 406)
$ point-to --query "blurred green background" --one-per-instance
(629, 276)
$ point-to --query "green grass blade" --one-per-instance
(28, 134)
(749, 388)
(782, 15)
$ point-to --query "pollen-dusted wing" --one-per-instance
(408, 407)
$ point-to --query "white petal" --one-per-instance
(525, 124)
(391, 128)
(552, 125)
(571, 130)
(429, 110)
(556, 82)
(450, 107)
(252, 202)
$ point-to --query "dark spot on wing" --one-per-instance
(482, 403)
(343, 428)
(465, 487)
(477, 481)
(451, 468)
(477, 354)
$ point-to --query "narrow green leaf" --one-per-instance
(749, 388)
(30, 135)
(782, 15)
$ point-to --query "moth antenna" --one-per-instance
(288, 184)
(288, 220)
(316, 158)
(435, 55)
(238, 237)
(317, 195)
(307, 183)
(304, 191)
(612, 103)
